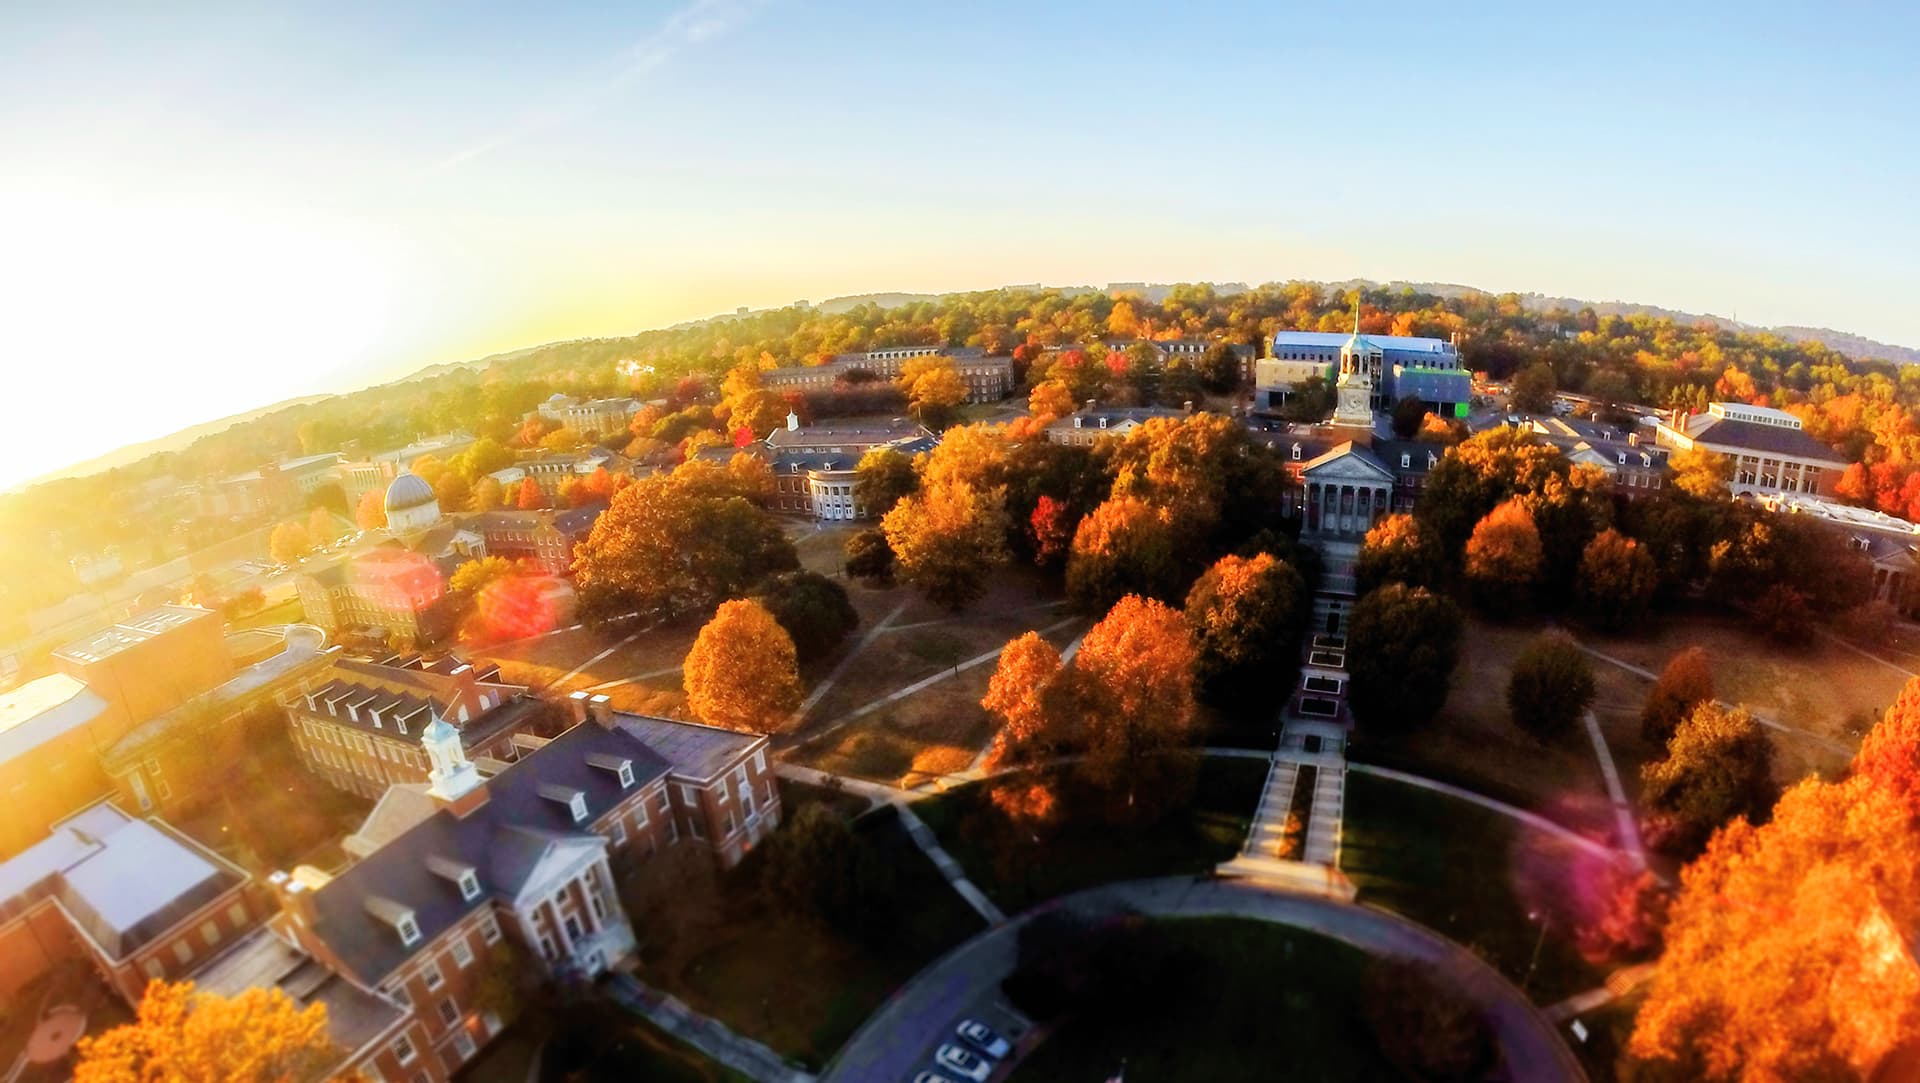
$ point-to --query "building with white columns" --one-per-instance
(530, 851)
(1769, 451)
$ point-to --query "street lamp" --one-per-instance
(1541, 918)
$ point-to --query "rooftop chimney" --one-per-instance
(1187, 406)
(600, 709)
(578, 705)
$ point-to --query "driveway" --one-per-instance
(899, 1038)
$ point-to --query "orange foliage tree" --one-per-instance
(1686, 682)
(371, 512)
(1135, 684)
(742, 672)
(1616, 581)
(1503, 557)
(179, 1035)
(1024, 692)
(530, 498)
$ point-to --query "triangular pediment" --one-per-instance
(1346, 464)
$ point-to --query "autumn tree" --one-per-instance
(529, 497)
(672, 543)
(1616, 581)
(813, 609)
(1788, 949)
(1126, 546)
(1550, 687)
(1026, 694)
(1050, 400)
(1719, 765)
(1503, 558)
(1399, 549)
(947, 538)
(1219, 368)
(1246, 614)
(469, 579)
(1134, 677)
(1685, 683)
(742, 672)
(1534, 388)
(371, 512)
(1890, 754)
(1402, 645)
(869, 557)
(179, 1035)
(563, 439)
(289, 542)
(883, 476)
(487, 496)
(933, 387)
(1052, 528)
(1700, 473)
(1408, 412)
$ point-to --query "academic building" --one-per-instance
(1770, 452)
(1395, 366)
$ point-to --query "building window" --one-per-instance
(546, 946)
(490, 930)
(573, 927)
(210, 932)
(619, 832)
(403, 1050)
(237, 915)
(449, 1012)
(154, 968)
(463, 1045)
(462, 954)
(578, 805)
(690, 796)
(469, 885)
(626, 775)
(431, 975)
(183, 951)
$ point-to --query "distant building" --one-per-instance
(814, 465)
(1394, 367)
(152, 662)
(1769, 450)
(1635, 463)
(988, 378)
(595, 416)
(358, 725)
(274, 489)
(49, 731)
(544, 540)
(1093, 422)
(394, 586)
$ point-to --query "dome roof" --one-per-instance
(1358, 344)
(409, 490)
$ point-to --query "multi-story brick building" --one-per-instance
(1770, 452)
(988, 378)
(50, 729)
(540, 539)
(150, 663)
(358, 725)
(134, 898)
(449, 869)
(814, 465)
(1093, 422)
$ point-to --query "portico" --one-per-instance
(1344, 492)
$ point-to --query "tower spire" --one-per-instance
(1356, 312)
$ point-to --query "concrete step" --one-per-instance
(1321, 880)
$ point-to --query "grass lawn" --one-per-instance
(600, 1042)
(1088, 852)
(504, 1060)
(1473, 743)
(1472, 875)
(1249, 1001)
(1821, 687)
(799, 987)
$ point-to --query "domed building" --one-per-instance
(411, 505)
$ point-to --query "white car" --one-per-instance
(982, 1037)
(964, 1062)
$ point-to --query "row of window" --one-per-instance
(209, 935)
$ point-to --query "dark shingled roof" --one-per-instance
(1763, 440)
(505, 838)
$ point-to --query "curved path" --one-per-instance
(898, 1038)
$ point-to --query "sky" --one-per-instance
(209, 207)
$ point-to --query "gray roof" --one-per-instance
(264, 961)
(504, 839)
(305, 646)
(42, 709)
(870, 432)
(690, 749)
(800, 461)
(1761, 439)
(123, 880)
(1447, 386)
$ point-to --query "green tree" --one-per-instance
(1219, 368)
(812, 608)
(1534, 388)
(883, 477)
(1550, 687)
(1719, 766)
(1311, 399)
(1408, 413)
(869, 557)
(1402, 645)
(1398, 549)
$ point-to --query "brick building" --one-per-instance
(151, 663)
(358, 724)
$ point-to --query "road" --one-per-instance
(898, 1039)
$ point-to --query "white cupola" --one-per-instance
(452, 775)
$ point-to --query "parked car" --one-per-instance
(964, 1062)
(931, 1077)
(982, 1037)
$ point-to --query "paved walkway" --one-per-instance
(1868, 655)
(893, 1042)
(594, 661)
(877, 792)
(1828, 743)
(833, 677)
(923, 837)
(1625, 823)
(1531, 819)
(709, 1036)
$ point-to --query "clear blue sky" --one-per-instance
(213, 208)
